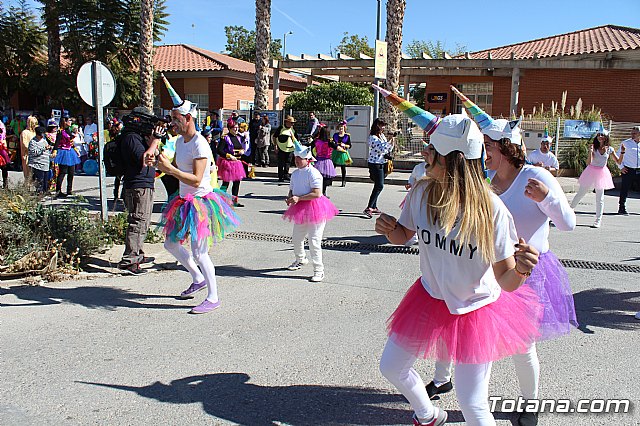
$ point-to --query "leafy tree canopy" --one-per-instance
(435, 49)
(329, 97)
(241, 44)
(353, 45)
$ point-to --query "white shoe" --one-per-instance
(596, 224)
(298, 264)
(317, 276)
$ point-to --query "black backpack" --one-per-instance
(113, 160)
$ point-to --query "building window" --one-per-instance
(480, 94)
(201, 99)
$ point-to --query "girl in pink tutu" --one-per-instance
(597, 174)
(533, 196)
(324, 147)
(230, 167)
(461, 309)
(309, 211)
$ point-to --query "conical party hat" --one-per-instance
(482, 118)
(302, 151)
(427, 121)
(546, 132)
(177, 101)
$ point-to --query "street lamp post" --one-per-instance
(284, 44)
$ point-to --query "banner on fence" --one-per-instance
(580, 129)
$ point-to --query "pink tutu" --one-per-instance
(311, 211)
(596, 177)
(230, 171)
(424, 326)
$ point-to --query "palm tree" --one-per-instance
(263, 41)
(146, 54)
(395, 17)
(51, 15)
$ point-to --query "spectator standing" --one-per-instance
(39, 153)
(379, 151)
(25, 138)
(216, 133)
(312, 125)
(262, 142)
(543, 157)
(630, 167)
(254, 128)
(285, 137)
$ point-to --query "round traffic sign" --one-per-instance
(85, 82)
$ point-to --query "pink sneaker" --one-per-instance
(205, 307)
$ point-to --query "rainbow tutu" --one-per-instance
(550, 282)
(424, 326)
(210, 217)
(66, 157)
(311, 211)
(326, 168)
(596, 177)
(230, 171)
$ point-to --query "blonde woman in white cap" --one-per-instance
(597, 175)
(457, 310)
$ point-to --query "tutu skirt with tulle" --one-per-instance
(596, 177)
(311, 211)
(210, 217)
(550, 281)
(341, 158)
(423, 325)
(325, 167)
(66, 157)
(230, 171)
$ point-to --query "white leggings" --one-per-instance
(314, 231)
(527, 369)
(472, 387)
(199, 257)
(599, 200)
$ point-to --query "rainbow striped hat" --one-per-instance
(427, 121)
(545, 136)
(182, 106)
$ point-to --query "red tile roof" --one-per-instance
(606, 38)
(183, 57)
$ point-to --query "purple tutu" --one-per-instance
(311, 211)
(66, 157)
(550, 281)
(230, 171)
(325, 167)
(596, 177)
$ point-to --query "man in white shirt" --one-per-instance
(543, 157)
(89, 129)
(630, 167)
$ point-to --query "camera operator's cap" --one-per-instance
(184, 107)
(427, 121)
(458, 132)
(52, 122)
(302, 151)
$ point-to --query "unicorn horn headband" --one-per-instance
(483, 119)
(177, 101)
(427, 121)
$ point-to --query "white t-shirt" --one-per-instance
(418, 172)
(304, 180)
(532, 218)
(89, 130)
(600, 160)
(451, 271)
(186, 152)
(547, 160)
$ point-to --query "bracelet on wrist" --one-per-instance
(524, 275)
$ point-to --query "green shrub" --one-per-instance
(116, 229)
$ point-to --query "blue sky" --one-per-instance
(319, 25)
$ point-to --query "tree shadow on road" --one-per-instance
(607, 308)
(90, 297)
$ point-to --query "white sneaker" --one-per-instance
(596, 224)
(298, 264)
(317, 276)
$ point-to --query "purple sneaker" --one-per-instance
(204, 307)
(193, 289)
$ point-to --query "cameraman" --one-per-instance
(138, 135)
(380, 151)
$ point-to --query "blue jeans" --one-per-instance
(376, 174)
(41, 179)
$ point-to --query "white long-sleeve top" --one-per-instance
(532, 218)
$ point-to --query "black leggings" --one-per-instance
(343, 170)
(235, 187)
(5, 176)
(69, 171)
(376, 174)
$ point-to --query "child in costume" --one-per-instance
(533, 196)
(340, 155)
(597, 174)
(309, 211)
(323, 147)
(461, 309)
(199, 213)
(230, 166)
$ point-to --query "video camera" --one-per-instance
(143, 121)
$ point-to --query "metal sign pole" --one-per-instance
(97, 96)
